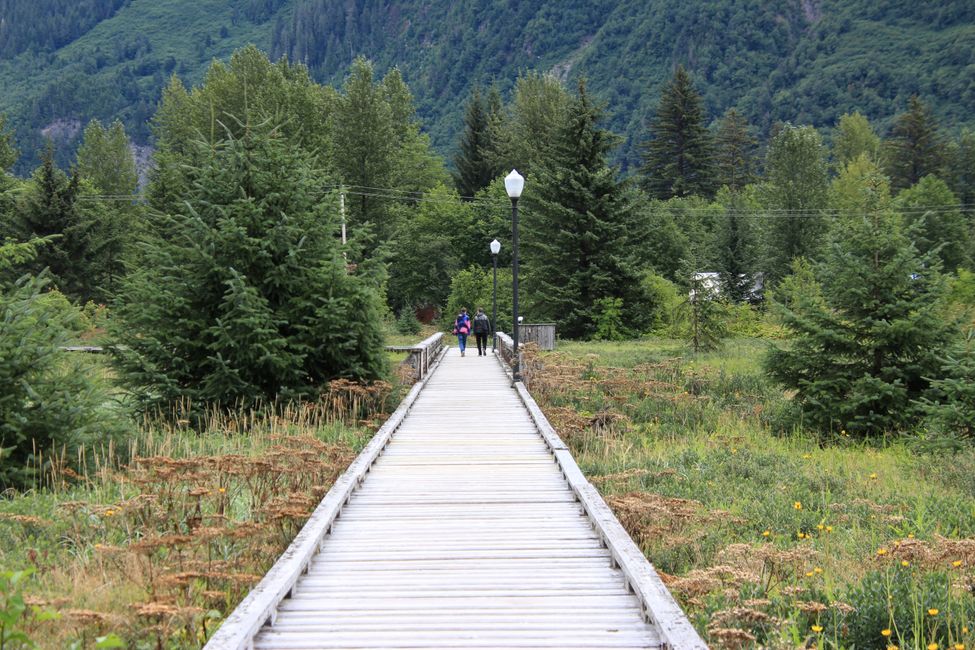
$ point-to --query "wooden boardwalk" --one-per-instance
(466, 533)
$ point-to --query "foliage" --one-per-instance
(960, 168)
(407, 323)
(246, 298)
(666, 299)
(761, 536)
(861, 356)
(936, 222)
(795, 192)
(914, 148)
(473, 287)
(48, 404)
(8, 151)
(737, 244)
(105, 159)
(854, 136)
(578, 227)
(706, 314)
(950, 411)
(608, 319)
(805, 63)
(474, 169)
(735, 156)
(678, 157)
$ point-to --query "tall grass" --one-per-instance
(767, 537)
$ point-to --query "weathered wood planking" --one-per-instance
(467, 531)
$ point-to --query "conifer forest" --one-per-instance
(752, 223)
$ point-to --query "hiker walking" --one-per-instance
(462, 327)
(482, 327)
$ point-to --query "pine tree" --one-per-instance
(247, 298)
(735, 147)
(51, 210)
(678, 156)
(864, 347)
(915, 147)
(795, 191)
(474, 171)
(577, 227)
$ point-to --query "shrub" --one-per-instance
(407, 322)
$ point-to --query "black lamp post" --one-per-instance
(514, 183)
(495, 249)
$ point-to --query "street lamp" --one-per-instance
(514, 183)
(495, 249)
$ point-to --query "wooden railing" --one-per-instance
(420, 356)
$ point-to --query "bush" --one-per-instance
(47, 400)
(951, 412)
(407, 322)
(663, 304)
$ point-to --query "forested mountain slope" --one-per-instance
(63, 62)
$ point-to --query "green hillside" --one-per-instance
(800, 60)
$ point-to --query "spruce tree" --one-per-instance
(247, 299)
(914, 148)
(795, 192)
(936, 222)
(8, 151)
(51, 210)
(735, 152)
(577, 227)
(960, 168)
(678, 156)
(865, 344)
(474, 169)
(705, 311)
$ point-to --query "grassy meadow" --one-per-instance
(768, 536)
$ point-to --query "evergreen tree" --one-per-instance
(737, 253)
(705, 312)
(914, 148)
(247, 298)
(960, 168)
(51, 210)
(735, 147)
(474, 171)
(864, 346)
(936, 223)
(678, 156)
(853, 137)
(795, 192)
(577, 228)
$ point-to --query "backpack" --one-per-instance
(462, 325)
(481, 324)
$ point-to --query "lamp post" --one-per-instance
(495, 249)
(514, 183)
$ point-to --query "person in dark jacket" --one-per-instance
(482, 327)
(462, 327)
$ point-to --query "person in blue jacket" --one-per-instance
(462, 327)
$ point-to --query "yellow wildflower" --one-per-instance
(809, 574)
(905, 563)
(932, 646)
(797, 505)
(766, 533)
(817, 570)
(910, 536)
(817, 628)
(829, 529)
(932, 612)
(885, 632)
(956, 563)
(959, 646)
(964, 629)
(873, 475)
(881, 551)
(820, 526)
(222, 490)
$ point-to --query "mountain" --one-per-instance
(63, 62)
